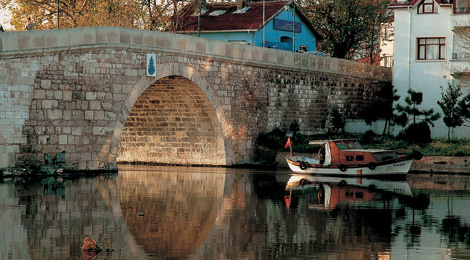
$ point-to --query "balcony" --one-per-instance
(461, 56)
(461, 10)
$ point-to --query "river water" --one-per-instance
(215, 213)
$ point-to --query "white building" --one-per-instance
(427, 53)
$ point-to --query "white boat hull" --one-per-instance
(393, 168)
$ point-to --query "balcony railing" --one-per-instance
(461, 10)
(461, 56)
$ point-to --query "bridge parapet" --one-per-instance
(17, 43)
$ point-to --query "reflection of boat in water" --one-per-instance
(347, 157)
(333, 192)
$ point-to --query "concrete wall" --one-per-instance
(73, 90)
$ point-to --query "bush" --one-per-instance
(368, 136)
(273, 140)
(419, 133)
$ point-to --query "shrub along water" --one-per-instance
(274, 141)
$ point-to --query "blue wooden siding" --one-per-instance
(272, 36)
(304, 38)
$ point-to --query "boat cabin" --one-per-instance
(350, 151)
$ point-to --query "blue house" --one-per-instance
(283, 27)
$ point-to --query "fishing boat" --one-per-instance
(347, 157)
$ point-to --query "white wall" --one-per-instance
(423, 76)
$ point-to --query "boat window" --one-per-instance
(348, 144)
(357, 145)
(349, 158)
(385, 156)
(360, 158)
(342, 146)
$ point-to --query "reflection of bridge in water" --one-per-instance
(200, 213)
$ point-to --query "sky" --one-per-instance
(4, 18)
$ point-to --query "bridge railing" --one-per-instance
(13, 43)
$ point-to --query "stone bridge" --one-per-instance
(85, 91)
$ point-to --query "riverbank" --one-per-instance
(428, 164)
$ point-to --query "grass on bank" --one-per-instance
(272, 142)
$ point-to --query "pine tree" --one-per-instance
(450, 107)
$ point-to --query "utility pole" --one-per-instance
(58, 13)
(293, 26)
(264, 35)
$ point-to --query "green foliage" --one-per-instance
(411, 109)
(336, 121)
(273, 140)
(437, 147)
(384, 110)
(348, 26)
(449, 104)
(294, 128)
(416, 133)
(464, 109)
(443, 147)
(142, 14)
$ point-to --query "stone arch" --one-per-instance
(197, 141)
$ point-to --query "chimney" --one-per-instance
(240, 4)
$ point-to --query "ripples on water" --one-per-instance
(216, 213)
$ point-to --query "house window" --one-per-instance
(431, 48)
(461, 6)
(427, 7)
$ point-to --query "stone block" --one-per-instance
(137, 37)
(91, 95)
(58, 94)
(24, 40)
(99, 115)
(89, 115)
(51, 39)
(7, 160)
(66, 130)
(125, 37)
(48, 104)
(38, 40)
(67, 114)
(54, 114)
(63, 139)
(95, 105)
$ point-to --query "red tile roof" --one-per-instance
(251, 20)
(401, 3)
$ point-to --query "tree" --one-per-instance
(165, 16)
(413, 100)
(418, 131)
(450, 107)
(348, 26)
(77, 13)
(464, 109)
